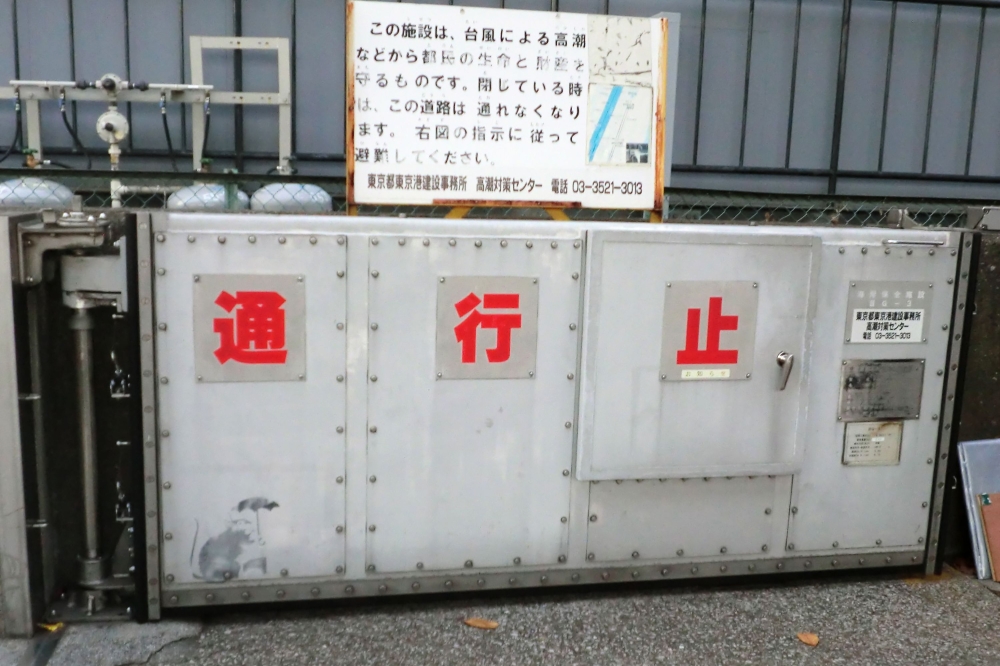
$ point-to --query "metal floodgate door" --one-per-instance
(251, 403)
(472, 360)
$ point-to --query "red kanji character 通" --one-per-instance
(257, 333)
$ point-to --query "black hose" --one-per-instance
(166, 131)
(61, 165)
(208, 124)
(72, 132)
(17, 133)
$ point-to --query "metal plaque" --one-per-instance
(883, 312)
(872, 443)
(886, 389)
(249, 328)
(487, 327)
(708, 330)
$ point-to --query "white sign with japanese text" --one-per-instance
(461, 105)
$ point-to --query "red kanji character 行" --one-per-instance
(465, 331)
(256, 334)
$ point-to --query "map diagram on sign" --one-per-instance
(619, 124)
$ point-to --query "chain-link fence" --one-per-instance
(271, 194)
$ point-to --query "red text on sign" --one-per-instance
(717, 323)
(502, 323)
(256, 332)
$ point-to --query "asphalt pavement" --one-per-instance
(952, 619)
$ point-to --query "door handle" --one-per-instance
(785, 362)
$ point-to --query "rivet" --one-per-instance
(930, 461)
(590, 556)
(723, 568)
(164, 380)
(426, 242)
(222, 240)
(605, 575)
(764, 548)
(723, 550)
(663, 378)
(529, 245)
(570, 376)
(836, 544)
(341, 240)
(340, 274)
(517, 560)
(191, 239)
(909, 252)
(161, 238)
(314, 591)
(468, 564)
(170, 578)
(374, 241)
(780, 565)
(531, 373)
(173, 599)
(572, 327)
(282, 240)
(370, 567)
(767, 511)
(878, 542)
(166, 485)
(930, 252)
(340, 378)
(301, 377)
(383, 589)
(349, 589)
(680, 552)
(374, 274)
(448, 584)
(575, 577)
(576, 276)
(920, 539)
(371, 528)
(568, 424)
(562, 558)
(164, 433)
(373, 429)
(791, 546)
(374, 326)
(503, 243)
(451, 242)
(752, 567)
(168, 536)
(340, 325)
(340, 529)
(807, 564)
(284, 572)
(372, 478)
(841, 250)
(887, 250)
(281, 594)
(795, 509)
(478, 243)
(340, 429)
(420, 565)
(480, 582)
(440, 279)
(440, 375)
(512, 581)
(694, 570)
(834, 563)
(313, 240)
(593, 517)
(950, 280)
(554, 245)
(161, 271)
(374, 378)
(252, 239)
(888, 560)
(415, 586)
(864, 250)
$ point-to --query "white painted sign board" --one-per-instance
(463, 106)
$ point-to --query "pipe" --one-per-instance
(82, 324)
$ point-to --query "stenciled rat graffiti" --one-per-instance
(239, 550)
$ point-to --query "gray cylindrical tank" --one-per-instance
(291, 198)
(34, 193)
(207, 196)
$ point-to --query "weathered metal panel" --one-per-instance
(252, 471)
(471, 472)
(636, 422)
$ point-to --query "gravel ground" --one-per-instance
(952, 620)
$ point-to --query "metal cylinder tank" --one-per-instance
(208, 196)
(34, 193)
(291, 198)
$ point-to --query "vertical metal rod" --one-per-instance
(128, 74)
(294, 68)
(184, 133)
(35, 327)
(930, 93)
(82, 325)
(795, 72)
(888, 84)
(606, 7)
(746, 83)
(17, 60)
(701, 71)
(554, 5)
(238, 85)
(838, 110)
(975, 90)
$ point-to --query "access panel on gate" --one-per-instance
(695, 356)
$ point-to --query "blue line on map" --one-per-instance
(602, 123)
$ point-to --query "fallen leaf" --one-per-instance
(481, 623)
(51, 627)
(812, 640)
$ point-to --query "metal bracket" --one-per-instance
(984, 218)
(900, 218)
(70, 231)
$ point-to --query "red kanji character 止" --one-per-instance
(717, 322)
(257, 333)
(465, 331)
